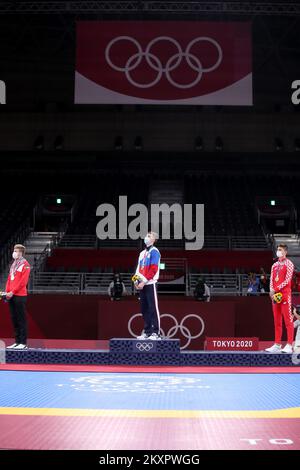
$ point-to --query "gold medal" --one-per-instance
(276, 278)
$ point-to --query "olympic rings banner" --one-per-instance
(163, 62)
(189, 321)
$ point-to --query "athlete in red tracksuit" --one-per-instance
(281, 281)
(16, 293)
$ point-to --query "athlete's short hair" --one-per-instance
(21, 248)
(154, 235)
(282, 245)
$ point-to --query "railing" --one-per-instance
(175, 264)
(78, 241)
(98, 283)
(235, 242)
(63, 283)
(249, 243)
(214, 242)
(40, 261)
(91, 241)
(75, 283)
(210, 242)
(219, 284)
(222, 284)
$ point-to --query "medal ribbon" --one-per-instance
(279, 267)
(16, 264)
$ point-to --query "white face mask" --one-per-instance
(15, 255)
(147, 241)
(279, 254)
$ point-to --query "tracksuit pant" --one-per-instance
(283, 311)
(17, 307)
(149, 308)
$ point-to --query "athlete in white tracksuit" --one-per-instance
(148, 272)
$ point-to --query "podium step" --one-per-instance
(136, 346)
(150, 356)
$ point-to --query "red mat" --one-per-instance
(151, 369)
(116, 433)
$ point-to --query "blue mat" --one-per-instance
(149, 391)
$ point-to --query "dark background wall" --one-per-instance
(94, 317)
(37, 62)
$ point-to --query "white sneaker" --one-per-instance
(297, 349)
(154, 337)
(288, 349)
(12, 346)
(21, 346)
(143, 336)
(276, 348)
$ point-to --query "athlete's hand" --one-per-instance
(140, 285)
(9, 295)
(272, 293)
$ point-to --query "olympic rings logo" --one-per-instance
(144, 346)
(172, 63)
(175, 329)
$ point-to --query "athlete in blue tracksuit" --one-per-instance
(148, 272)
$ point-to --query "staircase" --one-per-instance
(293, 243)
(37, 244)
(164, 191)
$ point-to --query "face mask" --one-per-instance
(15, 255)
(147, 241)
(279, 254)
